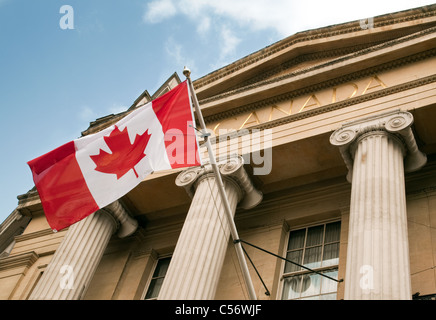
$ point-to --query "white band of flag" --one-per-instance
(91, 172)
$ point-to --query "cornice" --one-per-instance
(9, 221)
(21, 260)
(424, 192)
(145, 252)
(325, 32)
(336, 106)
(422, 183)
(104, 122)
(315, 68)
(38, 234)
(27, 203)
(348, 102)
(317, 87)
(332, 54)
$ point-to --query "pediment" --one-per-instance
(300, 63)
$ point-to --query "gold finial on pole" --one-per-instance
(186, 72)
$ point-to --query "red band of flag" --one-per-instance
(89, 173)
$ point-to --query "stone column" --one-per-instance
(377, 152)
(72, 267)
(199, 255)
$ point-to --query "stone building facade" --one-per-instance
(326, 142)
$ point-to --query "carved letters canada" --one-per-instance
(339, 93)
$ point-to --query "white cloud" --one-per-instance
(175, 52)
(204, 25)
(285, 17)
(218, 23)
(229, 42)
(225, 23)
(256, 14)
(87, 114)
(158, 11)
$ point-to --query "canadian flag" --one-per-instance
(88, 173)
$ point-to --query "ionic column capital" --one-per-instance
(125, 224)
(232, 170)
(397, 124)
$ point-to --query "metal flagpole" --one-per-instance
(219, 181)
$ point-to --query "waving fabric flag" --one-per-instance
(89, 173)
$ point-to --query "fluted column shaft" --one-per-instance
(73, 265)
(199, 255)
(378, 264)
(378, 261)
(200, 251)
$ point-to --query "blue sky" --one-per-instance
(55, 81)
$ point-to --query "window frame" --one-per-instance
(303, 271)
(151, 278)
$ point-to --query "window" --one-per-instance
(316, 248)
(158, 276)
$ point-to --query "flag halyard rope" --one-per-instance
(295, 263)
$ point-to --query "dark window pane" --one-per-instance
(314, 236)
(332, 232)
(161, 268)
(154, 288)
(294, 256)
(296, 239)
(158, 277)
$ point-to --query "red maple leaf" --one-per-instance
(124, 155)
